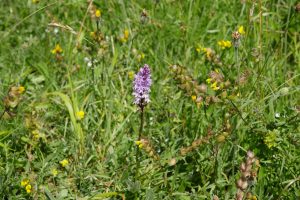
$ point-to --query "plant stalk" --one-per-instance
(137, 146)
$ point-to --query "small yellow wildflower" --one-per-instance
(208, 52)
(24, 182)
(126, 34)
(208, 81)
(98, 13)
(214, 86)
(80, 115)
(21, 89)
(35, 134)
(228, 43)
(200, 48)
(251, 197)
(140, 57)
(93, 34)
(57, 50)
(139, 143)
(241, 30)
(224, 44)
(131, 74)
(64, 162)
(35, 1)
(54, 172)
(28, 188)
(194, 97)
(221, 43)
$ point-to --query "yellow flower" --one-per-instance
(208, 81)
(126, 34)
(241, 30)
(194, 97)
(54, 172)
(254, 197)
(64, 162)
(35, 1)
(224, 44)
(228, 43)
(93, 34)
(57, 50)
(200, 48)
(131, 74)
(36, 134)
(28, 188)
(214, 86)
(24, 182)
(98, 13)
(80, 115)
(140, 57)
(139, 143)
(21, 89)
(221, 43)
(208, 52)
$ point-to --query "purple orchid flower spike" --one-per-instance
(141, 86)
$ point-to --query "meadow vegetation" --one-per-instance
(150, 99)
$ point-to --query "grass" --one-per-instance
(195, 137)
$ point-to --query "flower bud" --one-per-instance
(215, 197)
(202, 88)
(172, 162)
(239, 196)
(243, 167)
(239, 183)
(199, 99)
(227, 84)
(244, 185)
(284, 91)
(221, 138)
(250, 154)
